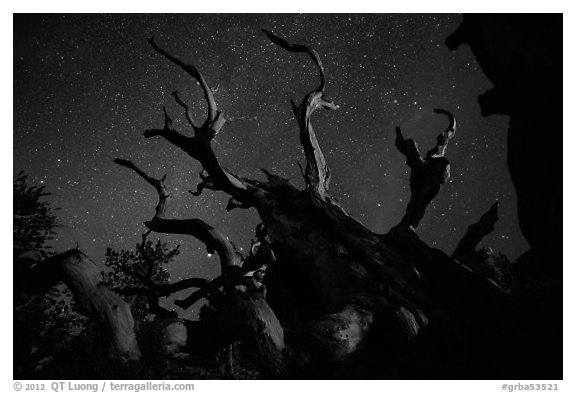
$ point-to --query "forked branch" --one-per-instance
(213, 239)
(199, 146)
(185, 107)
(428, 174)
(157, 184)
(192, 71)
(317, 175)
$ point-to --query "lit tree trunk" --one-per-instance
(80, 274)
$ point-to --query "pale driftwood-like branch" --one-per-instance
(428, 174)
(317, 172)
(94, 299)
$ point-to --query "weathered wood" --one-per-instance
(83, 278)
(317, 175)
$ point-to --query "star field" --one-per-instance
(87, 86)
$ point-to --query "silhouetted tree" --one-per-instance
(39, 305)
(340, 300)
(44, 325)
(141, 275)
(338, 295)
(34, 220)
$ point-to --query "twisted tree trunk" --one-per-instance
(83, 278)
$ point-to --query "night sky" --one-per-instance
(87, 86)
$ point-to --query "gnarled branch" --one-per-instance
(192, 71)
(157, 184)
(317, 174)
(428, 174)
(186, 108)
(444, 136)
(195, 227)
(199, 147)
(205, 183)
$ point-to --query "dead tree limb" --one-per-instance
(199, 146)
(186, 108)
(203, 292)
(194, 73)
(213, 239)
(484, 261)
(317, 174)
(428, 174)
(476, 232)
(157, 184)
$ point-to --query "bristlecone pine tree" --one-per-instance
(341, 301)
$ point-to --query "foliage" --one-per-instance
(34, 219)
(138, 271)
(44, 325)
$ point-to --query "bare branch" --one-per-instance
(199, 147)
(157, 184)
(234, 204)
(444, 136)
(476, 232)
(192, 71)
(206, 290)
(409, 148)
(317, 173)
(185, 143)
(169, 289)
(186, 108)
(205, 183)
(428, 174)
(195, 227)
(299, 48)
(202, 231)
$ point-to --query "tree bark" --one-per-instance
(83, 278)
